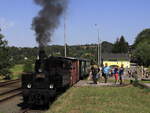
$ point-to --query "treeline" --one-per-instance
(139, 51)
(89, 51)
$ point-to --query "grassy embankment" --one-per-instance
(16, 71)
(145, 82)
(127, 99)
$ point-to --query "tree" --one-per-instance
(5, 63)
(120, 46)
(116, 46)
(107, 47)
(142, 37)
(142, 53)
(141, 46)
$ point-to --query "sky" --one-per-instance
(113, 18)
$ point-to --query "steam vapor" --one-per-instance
(48, 19)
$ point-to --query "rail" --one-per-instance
(9, 82)
(10, 95)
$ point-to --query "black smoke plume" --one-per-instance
(48, 19)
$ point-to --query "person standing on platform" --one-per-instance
(121, 72)
(116, 74)
(106, 70)
(98, 75)
(94, 73)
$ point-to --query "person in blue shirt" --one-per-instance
(106, 71)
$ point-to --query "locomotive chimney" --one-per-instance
(39, 64)
(42, 54)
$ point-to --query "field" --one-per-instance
(16, 71)
(127, 99)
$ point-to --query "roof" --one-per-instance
(115, 57)
(69, 58)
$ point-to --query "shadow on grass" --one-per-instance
(141, 86)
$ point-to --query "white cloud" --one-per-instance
(5, 24)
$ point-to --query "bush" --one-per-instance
(5, 62)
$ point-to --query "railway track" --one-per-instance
(9, 82)
(9, 96)
(31, 111)
(23, 111)
(9, 89)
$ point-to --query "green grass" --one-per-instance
(16, 71)
(145, 81)
(127, 99)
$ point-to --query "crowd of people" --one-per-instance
(107, 72)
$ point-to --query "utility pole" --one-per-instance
(98, 52)
(100, 58)
(65, 43)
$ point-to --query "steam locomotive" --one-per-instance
(51, 75)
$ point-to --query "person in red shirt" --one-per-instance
(116, 74)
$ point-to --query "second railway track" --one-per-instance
(8, 96)
(9, 82)
(31, 111)
(9, 89)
